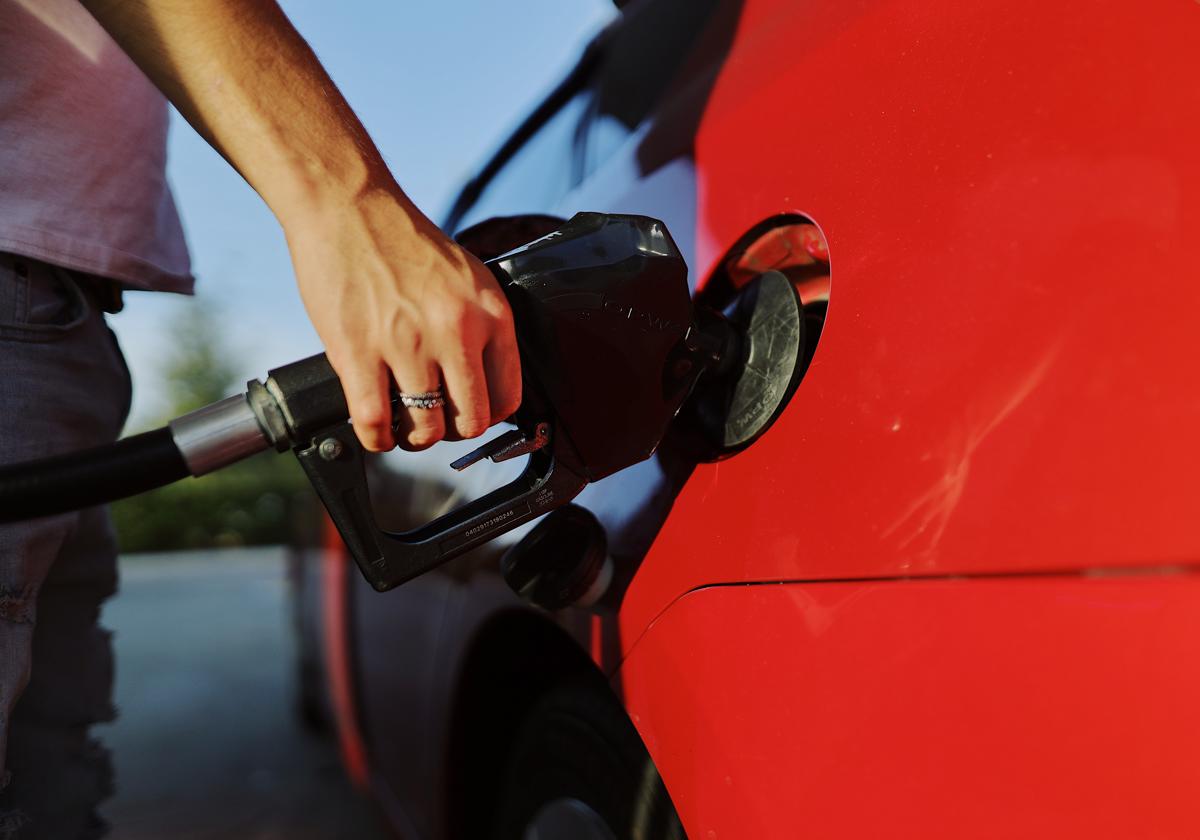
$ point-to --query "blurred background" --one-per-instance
(438, 86)
(210, 741)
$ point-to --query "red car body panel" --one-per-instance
(951, 591)
(1007, 382)
(1009, 376)
(1056, 706)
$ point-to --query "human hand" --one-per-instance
(393, 299)
(390, 296)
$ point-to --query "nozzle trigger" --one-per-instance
(511, 444)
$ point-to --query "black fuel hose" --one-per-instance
(94, 476)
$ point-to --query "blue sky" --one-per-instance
(438, 85)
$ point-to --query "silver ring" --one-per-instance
(426, 399)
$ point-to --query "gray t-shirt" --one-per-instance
(83, 151)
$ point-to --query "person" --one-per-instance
(86, 214)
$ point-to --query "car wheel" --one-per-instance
(578, 771)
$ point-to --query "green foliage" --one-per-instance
(264, 500)
(199, 371)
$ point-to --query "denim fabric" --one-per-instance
(63, 386)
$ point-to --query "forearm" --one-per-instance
(392, 298)
(244, 78)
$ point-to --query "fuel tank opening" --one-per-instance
(773, 288)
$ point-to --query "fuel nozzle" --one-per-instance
(609, 346)
(760, 338)
(609, 352)
(612, 349)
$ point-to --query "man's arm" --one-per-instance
(386, 291)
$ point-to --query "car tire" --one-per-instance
(579, 771)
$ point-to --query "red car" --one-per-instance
(951, 591)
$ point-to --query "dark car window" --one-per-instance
(651, 64)
(541, 172)
(658, 60)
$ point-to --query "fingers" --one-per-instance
(482, 370)
(502, 366)
(366, 390)
(481, 387)
(418, 428)
(467, 403)
(448, 330)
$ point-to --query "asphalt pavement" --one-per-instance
(207, 743)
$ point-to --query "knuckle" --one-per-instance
(406, 340)
(373, 417)
(375, 440)
(504, 327)
(427, 430)
(453, 316)
(508, 408)
(423, 438)
(402, 328)
(471, 426)
(496, 305)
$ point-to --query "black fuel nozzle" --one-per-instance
(610, 349)
(609, 346)
(762, 339)
(609, 352)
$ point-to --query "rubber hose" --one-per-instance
(91, 477)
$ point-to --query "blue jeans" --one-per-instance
(63, 386)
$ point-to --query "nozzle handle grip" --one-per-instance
(335, 465)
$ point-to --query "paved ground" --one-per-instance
(207, 744)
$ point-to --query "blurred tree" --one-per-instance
(199, 370)
(265, 500)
